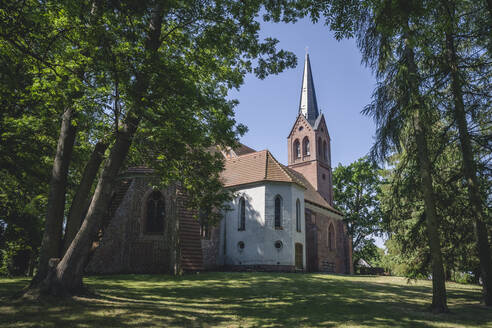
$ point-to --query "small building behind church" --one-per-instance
(282, 217)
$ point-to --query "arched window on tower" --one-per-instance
(298, 215)
(278, 212)
(155, 213)
(297, 149)
(325, 151)
(242, 214)
(331, 237)
(305, 145)
(319, 147)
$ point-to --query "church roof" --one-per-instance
(256, 167)
(317, 122)
(311, 195)
(261, 166)
(308, 105)
(243, 149)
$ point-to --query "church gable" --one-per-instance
(300, 124)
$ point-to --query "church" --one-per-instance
(281, 219)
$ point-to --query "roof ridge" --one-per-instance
(294, 176)
(327, 205)
(285, 172)
(266, 165)
(245, 155)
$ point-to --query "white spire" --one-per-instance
(308, 105)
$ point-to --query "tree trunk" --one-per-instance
(50, 245)
(425, 170)
(81, 200)
(470, 171)
(66, 277)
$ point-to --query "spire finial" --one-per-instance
(307, 50)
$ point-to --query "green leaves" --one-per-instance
(356, 190)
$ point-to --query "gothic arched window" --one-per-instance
(155, 213)
(298, 215)
(242, 214)
(319, 147)
(278, 212)
(331, 237)
(305, 145)
(297, 149)
(325, 151)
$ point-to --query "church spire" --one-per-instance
(308, 105)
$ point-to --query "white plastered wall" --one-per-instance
(260, 234)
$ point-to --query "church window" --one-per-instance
(204, 227)
(242, 214)
(278, 244)
(325, 151)
(297, 149)
(331, 237)
(306, 146)
(278, 212)
(155, 213)
(319, 147)
(298, 215)
(301, 128)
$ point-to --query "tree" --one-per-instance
(404, 216)
(388, 37)
(356, 189)
(452, 64)
(166, 68)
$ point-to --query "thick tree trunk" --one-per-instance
(425, 171)
(66, 277)
(470, 171)
(52, 236)
(81, 200)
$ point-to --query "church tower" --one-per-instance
(309, 141)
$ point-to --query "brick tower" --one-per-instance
(309, 141)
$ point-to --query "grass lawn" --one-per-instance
(246, 300)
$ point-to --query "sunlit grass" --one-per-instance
(246, 300)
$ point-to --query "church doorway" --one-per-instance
(298, 256)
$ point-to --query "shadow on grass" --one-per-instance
(250, 299)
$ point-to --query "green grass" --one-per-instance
(246, 300)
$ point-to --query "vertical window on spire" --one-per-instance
(305, 145)
(319, 147)
(297, 149)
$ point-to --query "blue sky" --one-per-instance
(343, 87)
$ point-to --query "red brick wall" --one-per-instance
(312, 166)
(337, 260)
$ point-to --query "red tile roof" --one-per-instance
(255, 167)
(262, 166)
(311, 195)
